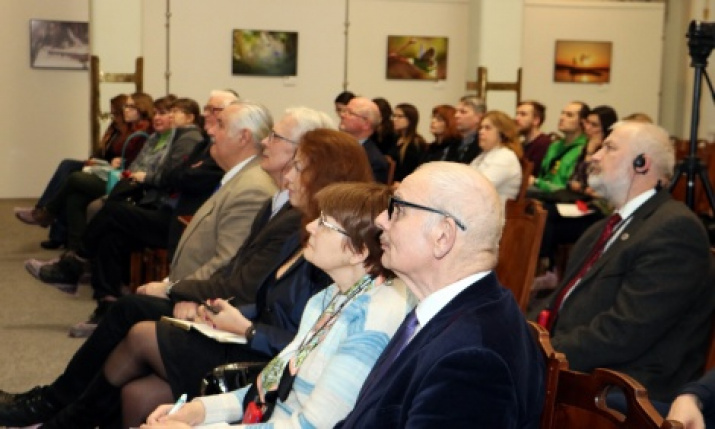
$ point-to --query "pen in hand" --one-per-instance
(177, 406)
(213, 308)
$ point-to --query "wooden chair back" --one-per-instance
(147, 265)
(519, 247)
(527, 168)
(390, 170)
(580, 401)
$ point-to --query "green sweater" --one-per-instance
(559, 163)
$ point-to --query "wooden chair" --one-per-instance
(391, 164)
(527, 167)
(578, 400)
(147, 265)
(519, 247)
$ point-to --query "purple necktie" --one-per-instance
(401, 338)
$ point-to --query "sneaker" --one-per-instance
(34, 216)
(52, 273)
(29, 408)
(85, 329)
(24, 215)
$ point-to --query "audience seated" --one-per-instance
(316, 378)
(560, 159)
(82, 187)
(501, 150)
(384, 135)
(468, 115)
(530, 116)
(643, 305)
(360, 119)
(323, 157)
(444, 129)
(113, 138)
(561, 230)
(465, 356)
(410, 147)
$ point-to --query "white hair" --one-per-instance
(307, 119)
(251, 116)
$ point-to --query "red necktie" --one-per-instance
(548, 317)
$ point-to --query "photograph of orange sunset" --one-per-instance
(582, 62)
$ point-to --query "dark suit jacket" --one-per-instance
(280, 302)
(474, 365)
(378, 163)
(466, 154)
(254, 260)
(645, 306)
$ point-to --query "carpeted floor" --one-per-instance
(34, 317)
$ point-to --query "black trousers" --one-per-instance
(90, 358)
(563, 230)
(118, 229)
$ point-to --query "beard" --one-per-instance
(614, 189)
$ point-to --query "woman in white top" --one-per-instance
(499, 161)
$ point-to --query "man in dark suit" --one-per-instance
(276, 222)
(360, 119)
(465, 357)
(644, 306)
(468, 115)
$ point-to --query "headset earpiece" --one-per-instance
(638, 164)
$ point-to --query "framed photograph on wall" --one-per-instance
(59, 44)
(582, 62)
(417, 57)
(265, 53)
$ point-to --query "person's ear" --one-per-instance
(445, 235)
(358, 257)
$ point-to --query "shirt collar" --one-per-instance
(234, 171)
(631, 206)
(436, 301)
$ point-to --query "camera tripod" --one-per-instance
(700, 44)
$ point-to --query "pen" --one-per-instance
(177, 406)
(213, 308)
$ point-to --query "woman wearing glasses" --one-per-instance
(315, 380)
(157, 362)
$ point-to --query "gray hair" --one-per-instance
(250, 116)
(475, 103)
(307, 119)
(369, 110)
(226, 97)
(467, 195)
(653, 141)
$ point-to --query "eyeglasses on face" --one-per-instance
(274, 135)
(394, 201)
(323, 222)
(130, 106)
(208, 109)
(349, 111)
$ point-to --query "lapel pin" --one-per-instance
(625, 236)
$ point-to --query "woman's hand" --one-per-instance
(685, 409)
(228, 318)
(157, 289)
(575, 186)
(191, 414)
(116, 162)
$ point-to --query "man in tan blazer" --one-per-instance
(223, 222)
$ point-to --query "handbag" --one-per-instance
(115, 175)
(230, 377)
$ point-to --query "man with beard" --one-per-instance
(636, 296)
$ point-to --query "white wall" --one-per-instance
(44, 112)
(635, 61)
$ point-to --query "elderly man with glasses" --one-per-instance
(465, 356)
(360, 118)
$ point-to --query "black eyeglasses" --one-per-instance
(394, 201)
(274, 135)
(212, 110)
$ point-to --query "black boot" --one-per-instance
(99, 403)
(28, 408)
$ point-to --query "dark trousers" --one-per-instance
(563, 230)
(116, 230)
(90, 357)
(72, 198)
(58, 229)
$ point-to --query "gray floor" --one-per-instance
(34, 317)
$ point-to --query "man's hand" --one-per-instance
(157, 289)
(685, 409)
